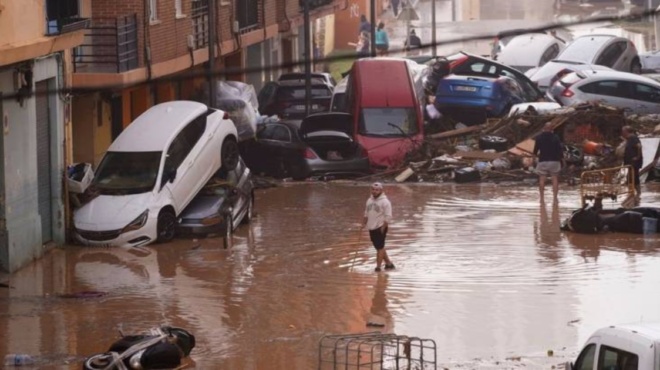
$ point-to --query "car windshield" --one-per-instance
(389, 122)
(583, 49)
(123, 173)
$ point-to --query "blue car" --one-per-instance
(474, 98)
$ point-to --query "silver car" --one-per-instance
(637, 94)
(615, 52)
(531, 50)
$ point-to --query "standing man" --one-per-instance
(377, 216)
(550, 152)
(632, 156)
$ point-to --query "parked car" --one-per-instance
(323, 145)
(610, 51)
(152, 171)
(338, 103)
(530, 50)
(225, 202)
(636, 93)
(466, 64)
(626, 347)
(286, 99)
(472, 99)
(297, 76)
(502, 39)
(650, 61)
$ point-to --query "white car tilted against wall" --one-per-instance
(530, 50)
(152, 171)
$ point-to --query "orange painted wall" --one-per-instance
(347, 22)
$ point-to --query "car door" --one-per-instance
(647, 97)
(612, 56)
(277, 146)
(179, 176)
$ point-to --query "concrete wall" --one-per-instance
(20, 160)
(21, 21)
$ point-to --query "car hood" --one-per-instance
(332, 121)
(203, 206)
(111, 212)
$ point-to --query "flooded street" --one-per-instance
(483, 270)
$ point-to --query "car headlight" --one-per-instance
(138, 222)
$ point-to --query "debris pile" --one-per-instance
(502, 149)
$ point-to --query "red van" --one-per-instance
(387, 112)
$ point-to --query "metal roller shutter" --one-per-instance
(43, 161)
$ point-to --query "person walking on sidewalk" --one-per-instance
(550, 152)
(377, 215)
(632, 156)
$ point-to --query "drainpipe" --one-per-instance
(147, 37)
(308, 60)
(211, 63)
(372, 15)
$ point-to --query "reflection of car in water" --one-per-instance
(223, 203)
(324, 144)
(152, 171)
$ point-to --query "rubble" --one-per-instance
(501, 149)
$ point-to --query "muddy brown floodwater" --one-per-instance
(482, 270)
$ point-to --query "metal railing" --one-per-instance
(110, 46)
(200, 23)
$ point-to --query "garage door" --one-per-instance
(43, 162)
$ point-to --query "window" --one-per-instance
(388, 122)
(586, 359)
(610, 88)
(611, 54)
(178, 7)
(614, 358)
(647, 93)
(153, 10)
(183, 144)
(549, 54)
(275, 132)
(122, 173)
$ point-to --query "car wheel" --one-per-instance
(229, 154)
(573, 154)
(229, 230)
(497, 143)
(636, 67)
(248, 213)
(165, 228)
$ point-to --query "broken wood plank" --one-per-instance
(457, 132)
(478, 154)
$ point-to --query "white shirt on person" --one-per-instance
(378, 211)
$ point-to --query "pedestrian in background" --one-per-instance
(362, 46)
(382, 40)
(413, 44)
(377, 216)
(632, 156)
(550, 153)
(365, 25)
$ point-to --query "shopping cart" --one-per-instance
(376, 351)
(613, 183)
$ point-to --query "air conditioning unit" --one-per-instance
(191, 42)
(235, 27)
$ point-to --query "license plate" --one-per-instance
(465, 88)
(302, 107)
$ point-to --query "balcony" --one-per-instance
(247, 15)
(313, 4)
(110, 46)
(200, 23)
(63, 16)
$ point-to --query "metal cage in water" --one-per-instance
(376, 351)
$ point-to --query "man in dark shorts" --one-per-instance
(377, 215)
(632, 156)
(550, 152)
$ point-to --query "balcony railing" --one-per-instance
(66, 25)
(247, 14)
(110, 46)
(200, 23)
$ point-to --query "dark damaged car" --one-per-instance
(323, 145)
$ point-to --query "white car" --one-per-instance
(152, 171)
(530, 50)
(637, 94)
(610, 51)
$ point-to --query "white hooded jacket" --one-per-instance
(378, 211)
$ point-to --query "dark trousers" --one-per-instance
(378, 238)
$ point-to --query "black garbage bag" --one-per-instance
(162, 348)
(626, 222)
(584, 221)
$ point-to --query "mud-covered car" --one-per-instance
(225, 202)
(323, 145)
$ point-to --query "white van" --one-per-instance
(621, 347)
(152, 171)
